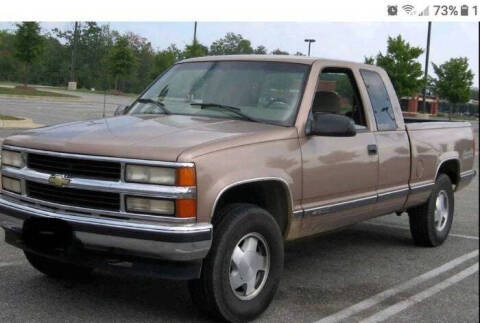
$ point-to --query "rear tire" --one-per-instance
(57, 269)
(242, 270)
(430, 222)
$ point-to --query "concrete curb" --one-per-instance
(23, 124)
(41, 98)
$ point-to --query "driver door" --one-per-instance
(339, 173)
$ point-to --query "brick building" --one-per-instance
(414, 104)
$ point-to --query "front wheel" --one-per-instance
(241, 273)
(430, 222)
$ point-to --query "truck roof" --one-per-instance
(270, 58)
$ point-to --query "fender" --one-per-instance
(253, 180)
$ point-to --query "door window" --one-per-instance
(337, 93)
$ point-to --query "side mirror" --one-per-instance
(120, 110)
(331, 125)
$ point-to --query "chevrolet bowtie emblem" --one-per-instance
(59, 180)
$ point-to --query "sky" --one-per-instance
(335, 40)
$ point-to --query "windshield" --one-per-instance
(255, 91)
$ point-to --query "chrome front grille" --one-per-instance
(105, 170)
(75, 197)
(95, 185)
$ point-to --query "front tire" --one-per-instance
(242, 270)
(430, 222)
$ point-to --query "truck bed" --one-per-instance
(433, 142)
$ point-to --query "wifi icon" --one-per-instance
(409, 9)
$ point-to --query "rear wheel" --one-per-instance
(430, 222)
(57, 269)
(241, 273)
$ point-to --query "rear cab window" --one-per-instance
(380, 101)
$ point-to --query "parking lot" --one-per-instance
(50, 110)
(368, 272)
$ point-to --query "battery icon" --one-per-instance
(464, 10)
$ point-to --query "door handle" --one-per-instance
(372, 149)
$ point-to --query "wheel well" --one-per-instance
(271, 195)
(451, 168)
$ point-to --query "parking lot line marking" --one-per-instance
(395, 226)
(417, 298)
(463, 236)
(382, 296)
(13, 263)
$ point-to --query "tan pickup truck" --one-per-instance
(219, 162)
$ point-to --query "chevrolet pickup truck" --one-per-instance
(218, 163)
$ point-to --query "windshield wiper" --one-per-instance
(159, 104)
(237, 111)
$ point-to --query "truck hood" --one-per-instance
(159, 137)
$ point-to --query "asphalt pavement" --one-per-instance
(369, 272)
(53, 110)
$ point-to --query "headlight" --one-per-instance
(12, 158)
(149, 174)
(148, 205)
(12, 185)
(160, 175)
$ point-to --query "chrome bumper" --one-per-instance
(173, 242)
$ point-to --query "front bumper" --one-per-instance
(172, 242)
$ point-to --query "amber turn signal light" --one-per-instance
(186, 208)
(186, 176)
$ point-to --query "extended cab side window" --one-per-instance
(337, 93)
(381, 104)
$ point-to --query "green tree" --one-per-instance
(454, 80)
(53, 65)
(279, 52)
(140, 76)
(244, 47)
(231, 44)
(369, 60)
(299, 54)
(402, 66)
(146, 61)
(121, 60)
(94, 44)
(8, 62)
(28, 45)
(260, 50)
(165, 59)
(94, 47)
(195, 50)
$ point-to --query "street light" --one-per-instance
(309, 41)
(425, 80)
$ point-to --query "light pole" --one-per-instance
(72, 84)
(74, 52)
(195, 34)
(425, 80)
(309, 41)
